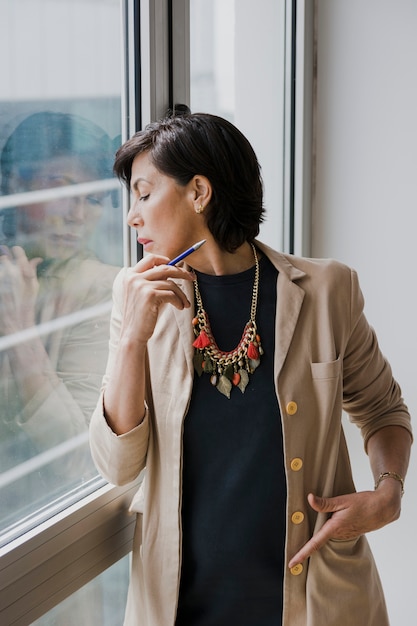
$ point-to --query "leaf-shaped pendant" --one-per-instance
(198, 361)
(244, 379)
(208, 367)
(224, 386)
(253, 364)
(229, 371)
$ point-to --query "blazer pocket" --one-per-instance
(327, 370)
(326, 380)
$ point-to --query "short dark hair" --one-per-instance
(185, 145)
(46, 135)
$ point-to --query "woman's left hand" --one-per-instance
(352, 515)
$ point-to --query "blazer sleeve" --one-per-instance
(118, 458)
(371, 396)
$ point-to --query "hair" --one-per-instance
(192, 144)
(47, 135)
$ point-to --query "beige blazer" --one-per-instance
(326, 360)
(62, 406)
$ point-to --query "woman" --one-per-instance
(226, 382)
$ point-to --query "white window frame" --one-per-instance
(47, 564)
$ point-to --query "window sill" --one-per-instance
(45, 565)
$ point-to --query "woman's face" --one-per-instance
(62, 227)
(163, 212)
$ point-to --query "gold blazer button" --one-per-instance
(292, 408)
(297, 569)
(297, 517)
(296, 464)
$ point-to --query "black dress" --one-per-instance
(234, 488)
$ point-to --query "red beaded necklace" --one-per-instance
(227, 369)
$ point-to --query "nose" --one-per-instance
(134, 218)
(77, 210)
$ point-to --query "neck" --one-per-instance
(216, 262)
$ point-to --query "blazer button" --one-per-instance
(297, 569)
(296, 464)
(297, 517)
(292, 408)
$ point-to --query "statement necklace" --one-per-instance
(227, 369)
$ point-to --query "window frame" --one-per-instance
(45, 565)
(48, 563)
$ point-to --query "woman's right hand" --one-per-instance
(18, 289)
(148, 286)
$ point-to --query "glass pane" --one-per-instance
(100, 602)
(212, 58)
(237, 68)
(61, 243)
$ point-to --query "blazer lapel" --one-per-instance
(184, 319)
(289, 301)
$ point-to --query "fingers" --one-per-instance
(27, 267)
(324, 505)
(149, 261)
(155, 267)
(151, 283)
(158, 293)
(351, 515)
(313, 545)
(148, 287)
(17, 256)
(334, 528)
(4, 251)
(156, 283)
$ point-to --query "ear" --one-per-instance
(202, 192)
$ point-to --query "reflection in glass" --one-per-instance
(61, 238)
(99, 603)
(55, 296)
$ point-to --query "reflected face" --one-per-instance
(62, 227)
(162, 211)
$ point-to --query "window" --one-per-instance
(62, 243)
(72, 90)
(61, 238)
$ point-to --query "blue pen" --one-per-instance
(182, 256)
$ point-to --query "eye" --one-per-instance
(143, 198)
(95, 200)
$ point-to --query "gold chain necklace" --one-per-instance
(227, 369)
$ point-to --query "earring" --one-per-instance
(200, 209)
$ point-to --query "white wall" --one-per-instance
(365, 214)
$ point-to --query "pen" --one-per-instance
(182, 256)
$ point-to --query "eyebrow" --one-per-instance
(134, 185)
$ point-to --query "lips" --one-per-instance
(69, 237)
(144, 242)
